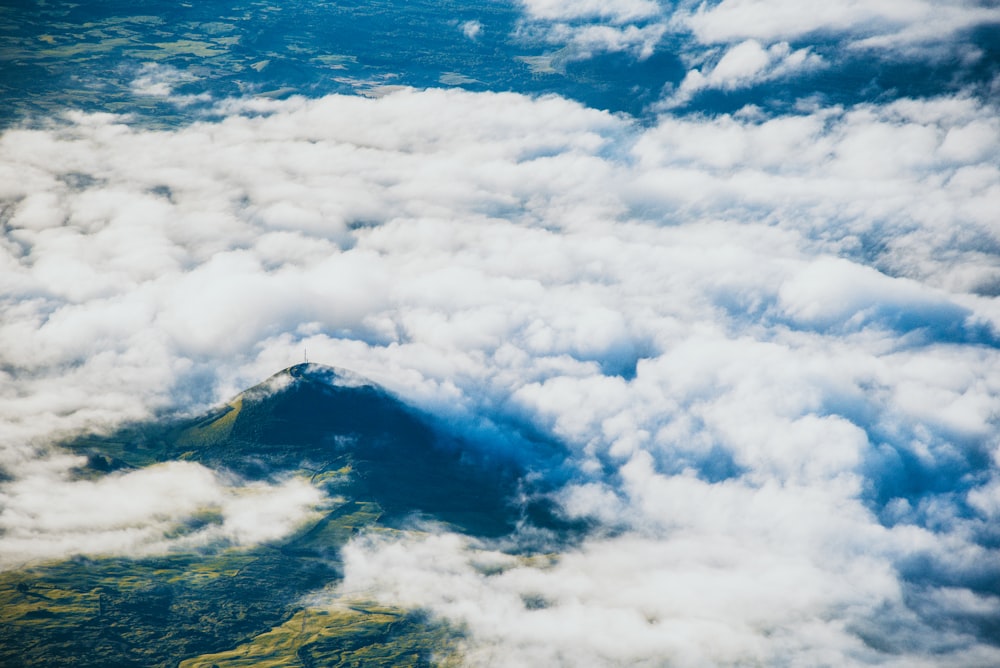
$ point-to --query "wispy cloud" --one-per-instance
(156, 80)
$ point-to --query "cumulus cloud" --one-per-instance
(471, 29)
(692, 598)
(882, 24)
(768, 344)
(744, 64)
(47, 515)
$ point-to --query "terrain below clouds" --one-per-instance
(673, 332)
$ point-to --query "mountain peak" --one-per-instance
(318, 373)
(315, 419)
(342, 431)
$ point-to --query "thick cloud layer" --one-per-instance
(769, 344)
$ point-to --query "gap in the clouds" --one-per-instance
(983, 624)
(915, 473)
(922, 571)
(984, 71)
(624, 364)
(620, 83)
(80, 181)
(939, 594)
(988, 288)
(905, 477)
(896, 632)
(926, 487)
(716, 465)
(713, 465)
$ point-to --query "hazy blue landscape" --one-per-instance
(538, 333)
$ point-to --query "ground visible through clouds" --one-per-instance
(716, 282)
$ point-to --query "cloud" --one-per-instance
(159, 81)
(690, 598)
(856, 158)
(619, 11)
(881, 24)
(471, 29)
(586, 28)
(832, 293)
(48, 515)
(747, 63)
(734, 324)
(583, 42)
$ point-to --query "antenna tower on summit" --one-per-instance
(305, 355)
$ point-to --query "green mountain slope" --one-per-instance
(383, 463)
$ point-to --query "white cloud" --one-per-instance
(158, 80)
(471, 29)
(693, 598)
(48, 515)
(736, 325)
(583, 42)
(586, 28)
(877, 24)
(742, 65)
(741, 61)
(839, 293)
(617, 11)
